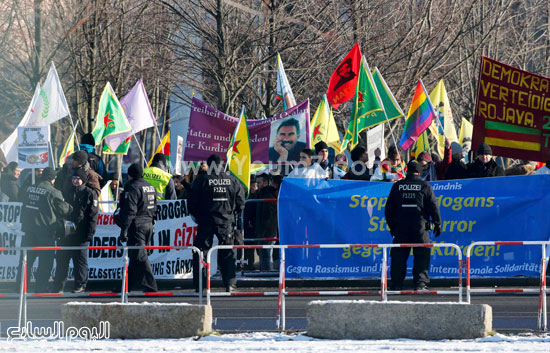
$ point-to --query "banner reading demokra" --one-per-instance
(512, 112)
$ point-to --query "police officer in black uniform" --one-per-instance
(410, 209)
(42, 220)
(84, 217)
(214, 200)
(135, 217)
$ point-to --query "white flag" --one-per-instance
(138, 111)
(9, 146)
(375, 140)
(52, 105)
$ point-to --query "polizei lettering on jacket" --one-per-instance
(219, 182)
(409, 187)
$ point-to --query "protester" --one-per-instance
(266, 219)
(457, 169)
(182, 187)
(87, 143)
(116, 187)
(410, 209)
(8, 182)
(78, 160)
(42, 218)
(286, 147)
(249, 217)
(391, 168)
(306, 168)
(340, 168)
(214, 200)
(359, 169)
(84, 202)
(136, 216)
(158, 176)
(433, 168)
(484, 165)
(321, 152)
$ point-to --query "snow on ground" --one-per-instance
(275, 342)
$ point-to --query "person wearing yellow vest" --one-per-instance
(158, 176)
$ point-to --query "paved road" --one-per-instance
(511, 313)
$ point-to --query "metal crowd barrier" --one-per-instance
(282, 292)
(23, 294)
(542, 323)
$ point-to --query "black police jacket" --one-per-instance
(410, 205)
(214, 200)
(138, 204)
(85, 211)
(43, 209)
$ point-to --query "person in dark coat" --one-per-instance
(84, 217)
(359, 169)
(138, 204)
(410, 209)
(42, 221)
(457, 169)
(214, 200)
(87, 143)
(266, 219)
(78, 160)
(484, 164)
(8, 183)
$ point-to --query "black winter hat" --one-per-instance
(48, 174)
(81, 173)
(484, 149)
(80, 157)
(357, 152)
(321, 145)
(87, 139)
(456, 148)
(135, 171)
(414, 167)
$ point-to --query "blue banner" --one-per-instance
(352, 212)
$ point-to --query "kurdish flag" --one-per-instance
(164, 148)
(512, 136)
(366, 104)
(422, 144)
(68, 149)
(324, 126)
(420, 117)
(111, 118)
(391, 107)
(444, 128)
(239, 153)
(122, 149)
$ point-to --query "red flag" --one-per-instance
(343, 81)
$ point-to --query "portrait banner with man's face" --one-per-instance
(278, 139)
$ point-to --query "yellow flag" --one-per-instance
(441, 104)
(422, 144)
(164, 147)
(68, 149)
(466, 131)
(239, 154)
(323, 126)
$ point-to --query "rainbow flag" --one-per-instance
(420, 117)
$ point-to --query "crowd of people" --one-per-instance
(65, 203)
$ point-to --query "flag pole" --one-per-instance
(380, 99)
(140, 150)
(436, 113)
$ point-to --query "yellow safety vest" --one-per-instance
(158, 178)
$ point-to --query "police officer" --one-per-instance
(410, 209)
(158, 176)
(135, 218)
(214, 200)
(84, 216)
(42, 221)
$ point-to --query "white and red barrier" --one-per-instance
(281, 293)
(542, 290)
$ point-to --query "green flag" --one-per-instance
(365, 106)
(123, 148)
(111, 118)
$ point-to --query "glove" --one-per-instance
(123, 237)
(437, 230)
